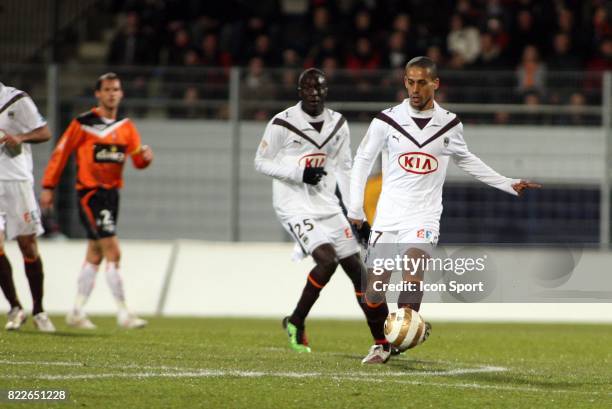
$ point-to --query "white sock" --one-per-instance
(113, 278)
(85, 284)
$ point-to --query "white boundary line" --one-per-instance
(362, 376)
(342, 376)
(450, 372)
(485, 386)
(44, 363)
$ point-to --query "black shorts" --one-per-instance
(98, 209)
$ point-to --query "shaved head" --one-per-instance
(315, 73)
(312, 89)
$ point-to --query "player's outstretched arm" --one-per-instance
(523, 185)
(474, 166)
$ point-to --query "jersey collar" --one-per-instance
(104, 119)
(434, 114)
(323, 116)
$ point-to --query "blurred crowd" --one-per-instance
(534, 51)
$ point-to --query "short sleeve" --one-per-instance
(27, 115)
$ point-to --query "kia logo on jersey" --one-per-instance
(314, 160)
(418, 162)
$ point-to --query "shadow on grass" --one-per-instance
(420, 365)
(540, 381)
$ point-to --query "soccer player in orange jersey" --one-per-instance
(102, 142)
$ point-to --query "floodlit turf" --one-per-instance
(239, 363)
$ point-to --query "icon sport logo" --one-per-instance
(418, 162)
(313, 160)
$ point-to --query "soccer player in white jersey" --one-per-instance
(306, 150)
(20, 125)
(419, 137)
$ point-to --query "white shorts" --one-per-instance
(19, 211)
(388, 244)
(309, 233)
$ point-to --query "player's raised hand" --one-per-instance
(525, 184)
(46, 199)
(313, 175)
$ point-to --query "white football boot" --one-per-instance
(79, 320)
(16, 318)
(376, 355)
(130, 321)
(43, 323)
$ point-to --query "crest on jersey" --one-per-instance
(313, 160)
(11, 114)
(420, 163)
(446, 141)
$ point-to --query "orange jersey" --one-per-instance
(101, 150)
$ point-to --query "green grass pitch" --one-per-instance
(244, 363)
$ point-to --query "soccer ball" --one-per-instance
(405, 329)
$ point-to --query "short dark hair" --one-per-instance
(424, 62)
(109, 76)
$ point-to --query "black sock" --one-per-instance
(375, 314)
(34, 272)
(310, 294)
(6, 282)
(318, 277)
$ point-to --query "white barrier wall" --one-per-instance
(247, 279)
(143, 267)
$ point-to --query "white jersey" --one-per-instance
(415, 169)
(18, 115)
(289, 145)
